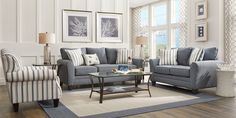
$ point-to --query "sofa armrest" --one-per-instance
(203, 74)
(138, 62)
(154, 63)
(66, 71)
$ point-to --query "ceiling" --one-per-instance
(137, 3)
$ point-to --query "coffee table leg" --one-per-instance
(136, 83)
(149, 86)
(92, 86)
(101, 89)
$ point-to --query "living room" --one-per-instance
(117, 58)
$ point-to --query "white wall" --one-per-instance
(215, 26)
(22, 20)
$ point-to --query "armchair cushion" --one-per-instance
(11, 62)
(31, 74)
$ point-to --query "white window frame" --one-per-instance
(152, 29)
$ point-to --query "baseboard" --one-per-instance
(2, 81)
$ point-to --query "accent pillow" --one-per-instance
(122, 56)
(196, 55)
(75, 56)
(91, 59)
(183, 55)
(13, 63)
(168, 57)
(210, 53)
(101, 53)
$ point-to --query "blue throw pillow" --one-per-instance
(183, 55)
(210, 53)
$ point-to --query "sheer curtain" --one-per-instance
(230, 31)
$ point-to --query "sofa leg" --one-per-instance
(195, 91)
(16, 107)
(153, 83)
(55, 102)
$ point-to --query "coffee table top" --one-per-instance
(118, 74)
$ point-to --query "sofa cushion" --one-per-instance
(84, 70)
(111, 55)
(109, 67)
(183, 71)
(101, 53)
(64, 54)
(176, 70)
(183, 55)
(210, 53)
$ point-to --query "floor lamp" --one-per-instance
(141, 40)
(47, 38)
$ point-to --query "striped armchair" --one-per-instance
(31, 83)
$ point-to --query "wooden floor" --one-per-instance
(224, 108)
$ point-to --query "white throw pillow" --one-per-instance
(122, 56)
(91, 59)
(168, 57)
(75, 56)
(196, 55)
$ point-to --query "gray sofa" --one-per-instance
(78, 75)
(198, 75)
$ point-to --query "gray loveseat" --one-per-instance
(78, 75)
(198, 75)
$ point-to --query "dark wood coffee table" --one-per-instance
(103, 75)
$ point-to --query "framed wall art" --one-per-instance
(201, 31)
(201, 10)
(109, 27)
(77, 26)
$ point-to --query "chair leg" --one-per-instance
(16, 107)
(55, 102)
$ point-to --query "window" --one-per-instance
(167, 26)
(144, 16)
(159, 14)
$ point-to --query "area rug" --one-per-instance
(77, 103)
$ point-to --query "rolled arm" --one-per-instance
(66, 71)
(31, 74)
(138, 62)
(203, 74)
(154, 63)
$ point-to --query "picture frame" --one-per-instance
(201, 10)
(109, 27)
(76, 26)
(201, 32)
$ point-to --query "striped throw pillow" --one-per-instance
(75, 56)
(196, 55)
(13, 63)
(122, 56)
(168, 57)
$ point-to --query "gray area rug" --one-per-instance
(63, 112)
